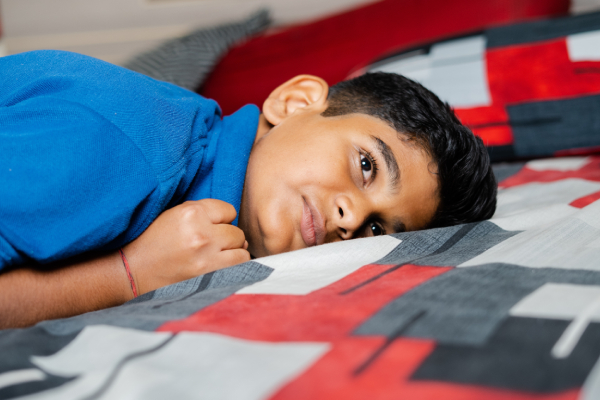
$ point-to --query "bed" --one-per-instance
(502, 309)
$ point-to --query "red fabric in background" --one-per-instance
(538, 71)
(527, 72)
(489, 123)
(333, 47)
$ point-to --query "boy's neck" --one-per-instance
(264, 126)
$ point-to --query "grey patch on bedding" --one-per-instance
(177, 289)
(517, 356)
(464, 306)
(166, 304)
(18, 346)
(506, 170)
(539, 127)
(418, 244)
(213, 280)
(545, 29)
(424, 239)
(188, 60)
(449, 246)
(476, 241)
(460, 244)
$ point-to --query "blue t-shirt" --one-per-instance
(91, 153)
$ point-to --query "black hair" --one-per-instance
(467, 187)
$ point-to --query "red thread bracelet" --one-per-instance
(131, 281)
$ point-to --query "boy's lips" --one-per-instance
(312, 227)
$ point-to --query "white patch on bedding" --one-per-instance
(111, 362)
(534, 196)
(304, 271)
(584, 46)
(21, 376)
(92, 357)
(578, 303)
(558, 164)
(563, 301)
(210, 366)
(568, 243)
(454, 70)
(591, 386)
(544, 215)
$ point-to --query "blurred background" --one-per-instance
(484, 57)
(116, 30)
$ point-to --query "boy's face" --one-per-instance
(314, 180)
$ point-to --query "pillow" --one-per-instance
(332, 47)
(528, 90)
(187, 60)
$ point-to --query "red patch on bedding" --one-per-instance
(586, 200)
(590, 171)
(335, 376)
(327, 314)
(521, 73)
(489, 123)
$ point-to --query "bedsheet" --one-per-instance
(502, 309)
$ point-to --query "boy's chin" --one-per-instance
(262, 249)
(272, 246)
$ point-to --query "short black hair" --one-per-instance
(467, 187)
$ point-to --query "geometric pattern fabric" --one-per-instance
(528, 90)
(429, 314)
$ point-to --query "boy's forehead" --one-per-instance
(376, 128)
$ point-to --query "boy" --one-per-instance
(91, 156)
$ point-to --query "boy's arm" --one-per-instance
(191, 239)
(30, 295)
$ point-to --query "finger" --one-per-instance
(218, 212)
(245, 245)
(227, 258)
(228, 236)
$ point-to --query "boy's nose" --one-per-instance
(348, 217)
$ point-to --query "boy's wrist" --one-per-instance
(134, 254)
(128, 271)
(120, 289)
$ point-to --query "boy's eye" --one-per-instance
(375, 229)
(366, 165)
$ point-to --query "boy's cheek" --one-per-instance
(277, 233)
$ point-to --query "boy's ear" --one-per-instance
(302, 91)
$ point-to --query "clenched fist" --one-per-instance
(188, 240)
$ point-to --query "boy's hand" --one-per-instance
(188, 240)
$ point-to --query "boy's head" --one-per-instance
(374, 155)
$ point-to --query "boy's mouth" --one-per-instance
(312, 227)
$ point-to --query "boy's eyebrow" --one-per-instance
(398, 226)
(390, 162)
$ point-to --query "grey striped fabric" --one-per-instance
(186, 61)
